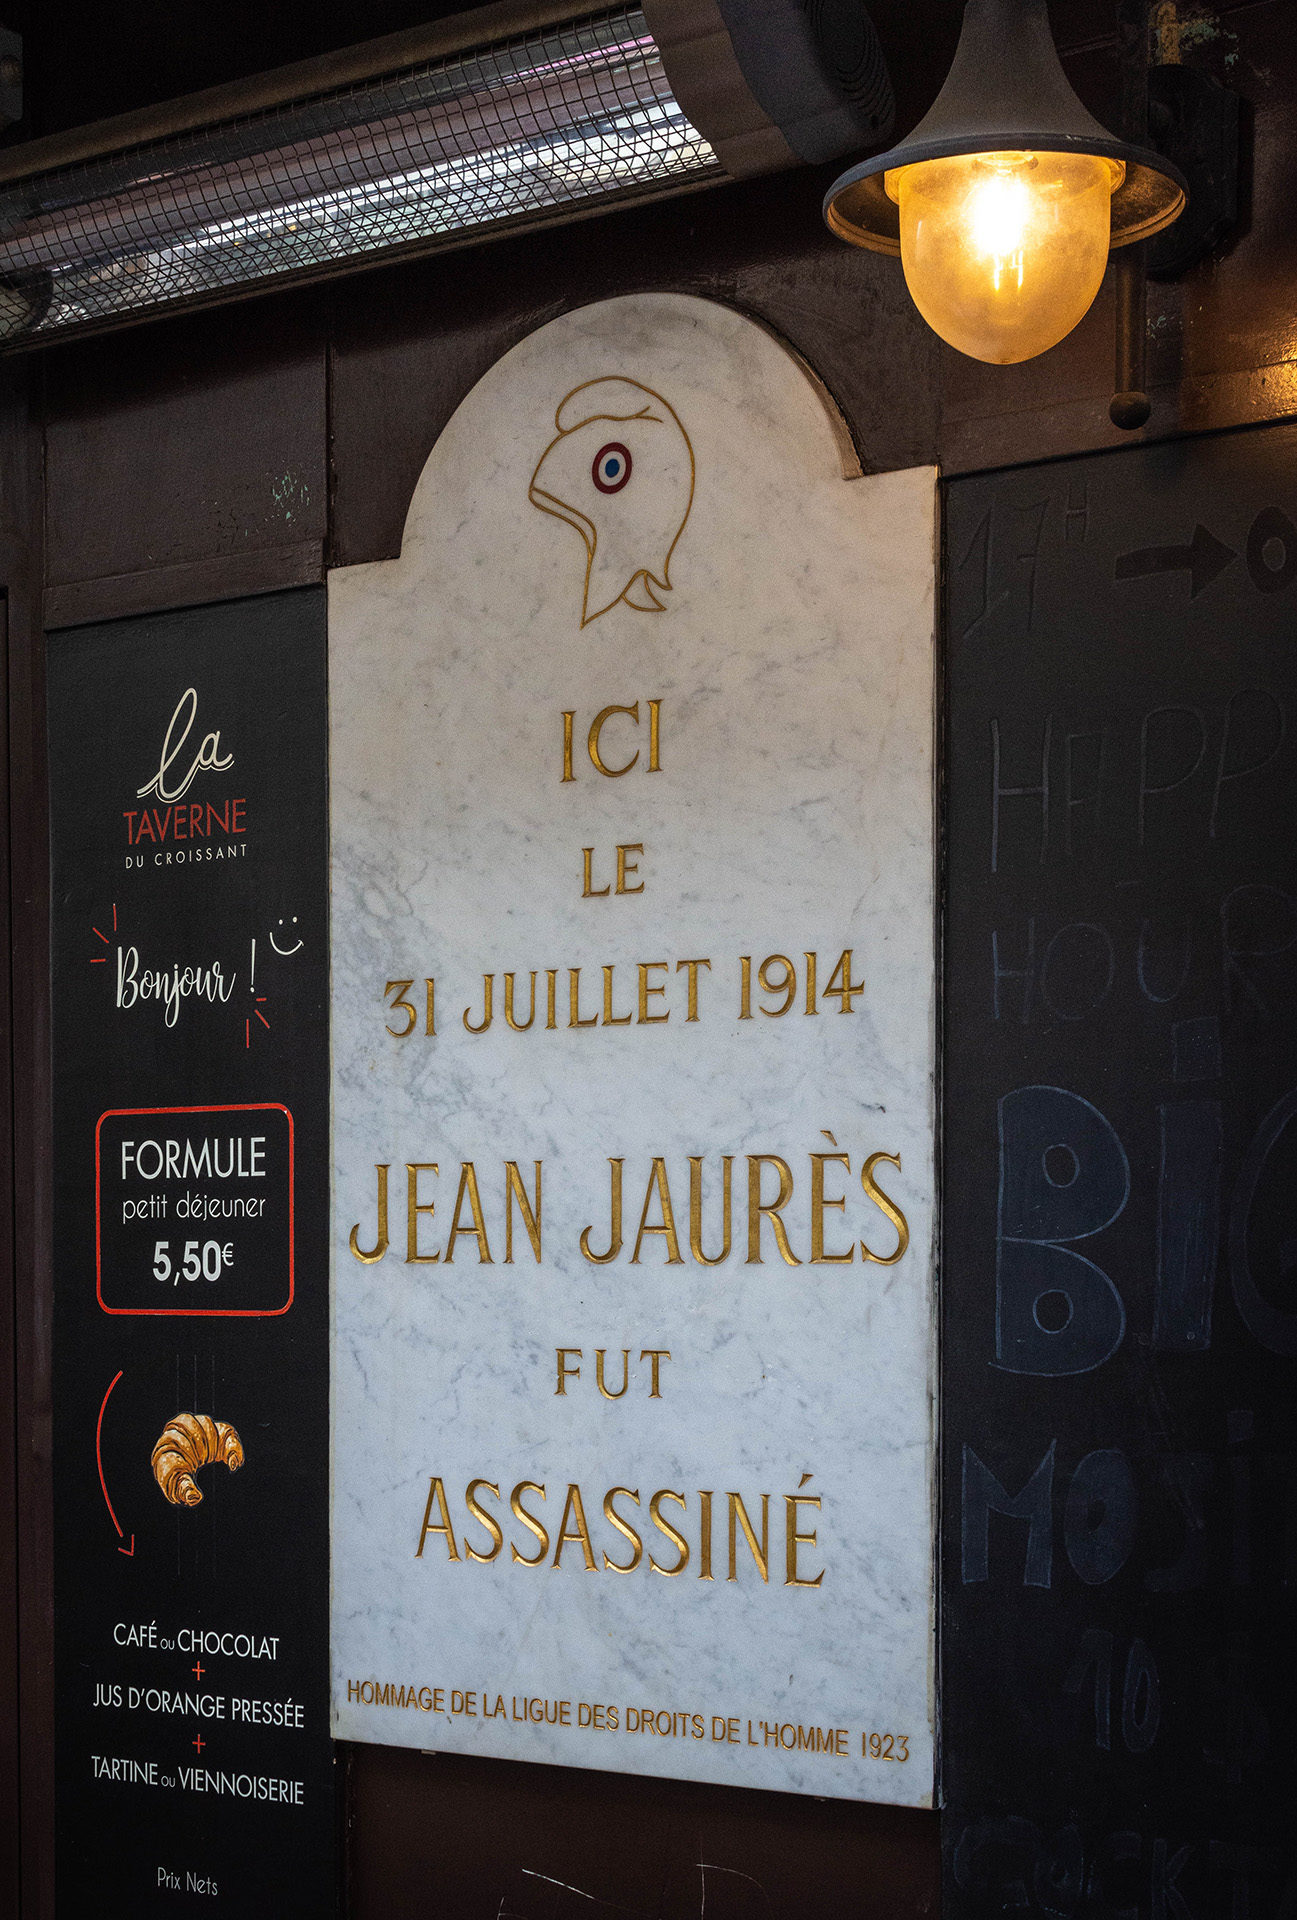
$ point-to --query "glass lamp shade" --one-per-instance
(1004, 252)
(1005, 199)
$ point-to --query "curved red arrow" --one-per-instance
(99, 1428)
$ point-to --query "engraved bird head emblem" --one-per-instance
(621, 471)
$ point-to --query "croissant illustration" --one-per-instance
(187, 1443)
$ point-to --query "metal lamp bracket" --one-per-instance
(1194, 121)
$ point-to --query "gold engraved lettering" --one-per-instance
(468, 1188)
(379, 1247)
(614, 1518)
(514, 1189)
(655, 735)
(818, 1203)
(693, 966)
(745, 986)
(893, 1212)
(655, 1355)
(596, 728)
(573, 1528)
(841, 986)
(529, 1521)
(487, 1520)
(399, 989)
(787, 984)
(625, 866)
(413, 1208)
(605, 1390)
(647, 1019)
(761, 1554)
(551, 991)
(793, 1539)
(488, 994)
(614, 1239)
(810, 984)
(437, 1493)
(574, 1001)
(589, 891)
(696, 1209)
(609, 1018)
(565, 1372)
(430, 1007)
(705, 1535)
(519, 1026)
(664, 1526)
(657, 1182)
(771, 1210)
(568, 774)
(577, 1531)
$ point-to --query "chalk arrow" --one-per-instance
(1202, 560)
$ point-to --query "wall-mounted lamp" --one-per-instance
(1005, 200)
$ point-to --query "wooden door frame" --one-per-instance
(26, 1277)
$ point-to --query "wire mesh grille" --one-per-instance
(506, 135)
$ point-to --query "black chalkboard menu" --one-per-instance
(1120, 1185)
(191, 1188)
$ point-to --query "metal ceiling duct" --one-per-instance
(421, 141)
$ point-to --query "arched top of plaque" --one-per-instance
(609, 462)
(631, 756)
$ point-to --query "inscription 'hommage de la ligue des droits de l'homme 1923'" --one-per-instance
(633, 991)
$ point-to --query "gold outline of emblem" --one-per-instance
(559, 509)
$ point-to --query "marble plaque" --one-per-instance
(633, 993)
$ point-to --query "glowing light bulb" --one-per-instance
(1004, 252)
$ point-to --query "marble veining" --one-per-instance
(640, 507)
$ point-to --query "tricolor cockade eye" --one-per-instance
(611, 467)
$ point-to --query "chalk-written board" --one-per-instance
(1120, 1165)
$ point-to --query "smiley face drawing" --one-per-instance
(621, 472)
(290, 935)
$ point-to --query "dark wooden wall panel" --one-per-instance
(498, 1840)
(25, 1394)
(200, 445)
(10, 1748)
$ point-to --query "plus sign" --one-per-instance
(197, 1671)
(198, 1743)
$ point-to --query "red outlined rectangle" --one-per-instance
(201, 1313)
